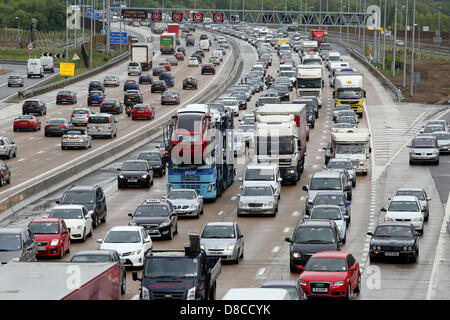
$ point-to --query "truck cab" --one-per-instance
(349, 89)
(310, 82)
(187, 274)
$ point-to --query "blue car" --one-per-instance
(130, 85)
(95, 98)
(168, 78)
(333, 198)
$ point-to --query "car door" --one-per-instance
(100, 199)
(200, 201)
(87, 220)
(4, 171)
(240, 240)
(145, 241)
(30, 247)
(353, 275)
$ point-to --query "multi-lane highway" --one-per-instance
(266, 251)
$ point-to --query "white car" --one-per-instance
(405, 208)
(132, 243)
(77, 219)
(239, 144)
(111, 81)
(134, 68)
(231, 104)
(193, 62)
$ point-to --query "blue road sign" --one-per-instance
(96, 15)
(114, 38)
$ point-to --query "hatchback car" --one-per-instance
(157, 217)
(130, 85)
(190, 82)
(168, 78)
(132, 243)
(333, 274)
(111, 106)
(26, 122)
(111, 81)
(8, 147)
(134, 68)
(223, 240)
(157, 70)
(76, 138)
(186, 202)
(155, 161)
(95, 98)
(34, 107)
(143, 111)
(424, 148)
(66, 96)
(172, 60)
(96, 85)
(208, 68)
(17, 245)
(56, 127)
(15, 80)
(170, 97)
(193, 62)
(330, 212)
(102, 125)
(260, 199)
(405, 208)
(80, 116)
(52, 237)
(158, 86)
(145, 78)
(76, 217)
(135, 172)
(179, 56)
(133, 97)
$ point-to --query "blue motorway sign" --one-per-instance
(96, 15)
(114, 38)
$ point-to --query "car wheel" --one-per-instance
(411, 162)
(68, 249)
(104, 218)
(2, 182)
(123, 286)
(349, 292)
(95, 221)
(293, 269)
(236, 261)
(61, 253)
(84, 236)
(9, 180)
(354, 183)
(176, 228)
(170, 235)
(358, 287)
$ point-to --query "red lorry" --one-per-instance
(318, 35)
(60, 281)
(174, 28)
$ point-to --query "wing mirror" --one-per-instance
(305, 188)
(100, 240)
(383, 209)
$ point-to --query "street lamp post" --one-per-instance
(67, 30)
(348, 11)
(395, 40)
(384, 37)
(404, 45)
(340, 24)
(412, 51)
(18, 30)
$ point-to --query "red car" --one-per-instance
(52, 237)
(330, 274)
(26, 122)
(143, 111)
(179, 56)
(166, 66)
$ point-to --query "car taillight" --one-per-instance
(64, 127)
(73, 115)
(58, 96)
(64, 137)
(69, 96)
(80, 137)
(47, 126)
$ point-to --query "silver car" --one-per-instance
(443, 139)
(421, 194)
(102, 124)
(439, 121)
(424, 148)
(170, 97)
(261, 199)
(223, 240)
(80, 117)
(8, 148)
(340, 107)
(186, 202)
(340, 164)
(76, 138)
(112, 81)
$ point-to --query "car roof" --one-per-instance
(279, 283)
(410, 189)
(103, 252)
(404, 198)
(80, 188)
(395, 223)
(330, 193)
(261, 165)
(332, 206)
(315, 222)
(125, 228)
(46, 220)
(224, 223)
(69, 206)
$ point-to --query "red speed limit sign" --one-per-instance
(156, 16)
(218, 17)
(177, 16)
(198, 17)
(30, 46)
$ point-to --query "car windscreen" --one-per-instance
(182, 194)
(170, 267)
(155, 156)
(349, 93)
(423, 143)
(334, 58)
(349, 148)
(326, 264)
(337, 200)
(310, 234)
(31, 103)
(309, 83)
(442, 136)
(10, 242)
(259, 175)
(156, 210)
(257, 191)
(325, 184)
(133, 64)
(218, 107)
(403, 206)
(418, 194)
(190, 121)
(77, 197)
(95, 93)
(66, 214)
(326, 213)
(218, 232)
(433, 128)
(64, 92)
(80, 111)
(393, 231)
(75, 132)
(123, 237)
(289, 74)
(90, 258)
(134, 166)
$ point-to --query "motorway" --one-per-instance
(266, 253)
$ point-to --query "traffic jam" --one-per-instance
(254, 138)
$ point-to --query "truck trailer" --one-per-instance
(142, 53)
(59, 281)
(167, 43)
(174, 28)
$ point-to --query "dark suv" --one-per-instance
(34, 107)
(17, 244)
(158, 217)
(92, 198)
(311, 236)
(96, 85)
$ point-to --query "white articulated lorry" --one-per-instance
(310, 81)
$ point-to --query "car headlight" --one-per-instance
(417, 219)
(193, 205)
(54, 242)
(361, 163)
(339, 283)
(230, 247)
(410, 248)
(164, 224)
(379, 248)
(121, 176)
(302, 282)
(296, 254)
(340, 228)
(269, 204)
(144, 176)
(388, 219)
(145, 294)
(242, 204)
(79, 227)
(405, 248)
(191, 293)
(203, 247)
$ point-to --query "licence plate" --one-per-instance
(141, 111)
(320, 290)
(132, 180)
(55, 127)
(391, 254)
(72, 138)
(96, 128)
(24, 122)
(41, 248)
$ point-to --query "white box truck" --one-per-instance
(205, 44)
(310, 82)
(142, 53)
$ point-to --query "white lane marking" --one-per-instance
(295, 213)
(276, 249)
(39, 152)
(220, 213)
(286, 230)
(233, 198)
(302, 198)
(20, 160)
(318, 157)
(260, 271)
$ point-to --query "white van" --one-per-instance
(204, 44)
(218, 53)
(259, 173)
(47, 64)
(102, 124)
(134, 68)
(257, 294)
(34, 68)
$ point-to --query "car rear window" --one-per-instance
(98, 119)
(95, 93)
(31, 103)
(134, 64)
(56, 122)
(80, 111)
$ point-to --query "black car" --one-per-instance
(208, 68)
(158, 217)
(133, 97)
(66, 96)
(154, 160)
(56, 127)
(241, 98)
(34, 107)
(111, 106)
(190, 41)
(93, 198)
(96, 85)
(281, 89)
(158, 69)
(285, 81)
(190, 82)
(181, 49)
(102, 256)
(145, 78)
(262, 100)
(130, 85)
(311, 236)
(135, 172)
(394, 239)
(310, 112)
(158, 86)
(17, 244)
